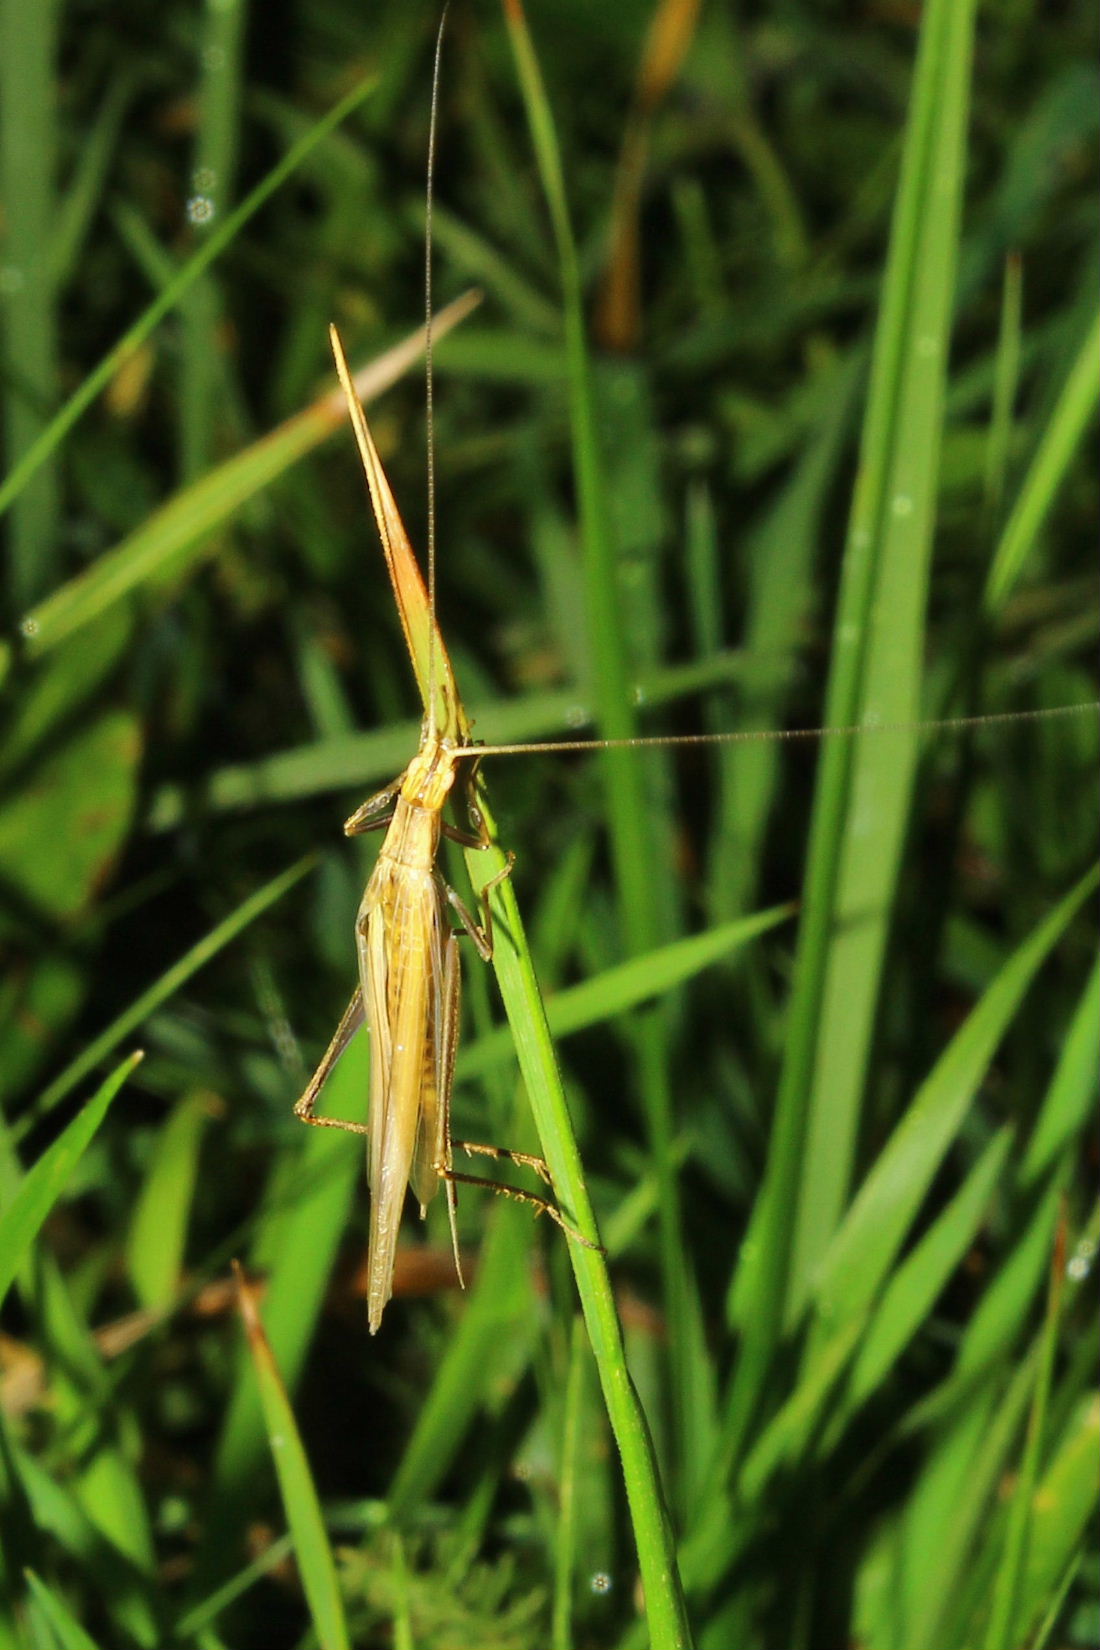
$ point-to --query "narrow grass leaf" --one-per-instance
(43, 1185)
(312, 1549)
(877, 673)
(67, 1631)
(1061, 436)
(1004, 1629)
(665, 1607)
(1068, 1104)
(212, 248)
(169, 983)
(629, 817)
(916, 1284)
(497, 1321)
(884, 1208)
(626, 985)
(862, 798)
(298, 1232)
(1062, 1506)
(566, 1555)
(170, 539)
(158, 1230)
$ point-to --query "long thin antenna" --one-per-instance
(936, 724)
(429, 375)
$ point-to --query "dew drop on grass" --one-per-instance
(200, 210)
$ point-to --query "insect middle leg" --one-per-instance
(482, 936)
(305, 1107)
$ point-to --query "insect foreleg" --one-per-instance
(374, 813)
(345, 1031)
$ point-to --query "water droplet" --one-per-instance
(861, 538)
(29, 627)
(639, 695)
(902, 504)
(1080, 1264)
(204, 180)
(601, 1582)
(200, 209)
(577, 717)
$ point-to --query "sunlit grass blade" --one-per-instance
(66, 1630)
(158, 1230)
(172, 537)
(312, 1549)
(666, 1610)
(28, 1204)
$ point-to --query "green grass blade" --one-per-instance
(67, 1631)
(1004, 1629)
(887, 1202)
(296, 1241)
(211, 249)
(1067, 1106)
(43, 1184)
(169, 983)
(312, 1549)
(566, 1555)
(172, 537)
(219, 100)
(158, 1231)
(1061, 1508)
(916, 1284)
(498, 1319)
(666, 1611)
(28, 294)
(863, 793)
(627, 985)
(629, 815)
(1072, 414)
(1005, 385)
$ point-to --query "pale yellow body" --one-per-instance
(409, 981)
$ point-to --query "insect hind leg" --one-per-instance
(541, 1205)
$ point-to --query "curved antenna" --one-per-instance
(429, 376)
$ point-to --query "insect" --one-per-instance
(409, 975)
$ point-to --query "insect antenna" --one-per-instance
(429, 372)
